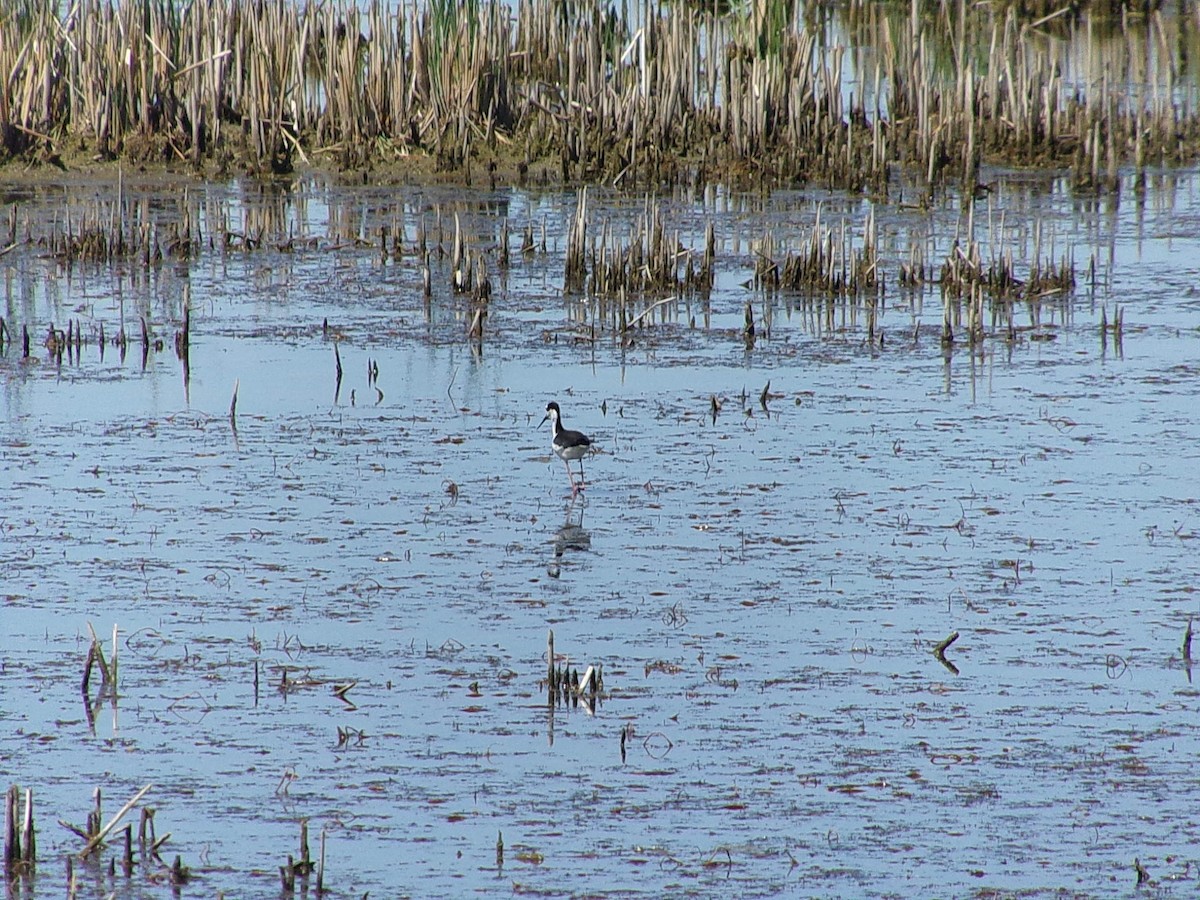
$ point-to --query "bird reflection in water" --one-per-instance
(571, 536)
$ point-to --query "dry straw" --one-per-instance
(640, 94)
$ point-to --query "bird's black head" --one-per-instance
(551, 410)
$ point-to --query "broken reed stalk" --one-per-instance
(20, 844)
(99, 837)
(303, 866)
(287, 875)
(146, 836)
(565, 685)
(108, 669)
(113, 660)
(87, 669)
(585, 683)
(646, 312)
(460, 269)
(1142, 874)
(939, 649)
(94, 817)
(27, 831)
(184, 338)
(305, 859)
(12, 839)
(321, 867)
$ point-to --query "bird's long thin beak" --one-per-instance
(545, 419)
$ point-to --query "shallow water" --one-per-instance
(763, 590)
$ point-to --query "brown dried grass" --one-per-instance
(658, 93)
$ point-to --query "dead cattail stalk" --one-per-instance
(941, 646)
(624, 99)
(108, 669)
(321, 867)
(305, 859)
(27, 833)
(99, 837)
(287, 875)
(12, 838)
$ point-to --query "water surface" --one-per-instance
(762, 588)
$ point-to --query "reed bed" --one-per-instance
(641, 95)
(979, 293)
(830, 263)
(974, 83)
(965, 271)
(617, 278)
(629, 278)
(652, 259)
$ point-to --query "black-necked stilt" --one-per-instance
(567, 445)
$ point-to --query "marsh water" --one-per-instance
(773, 538)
